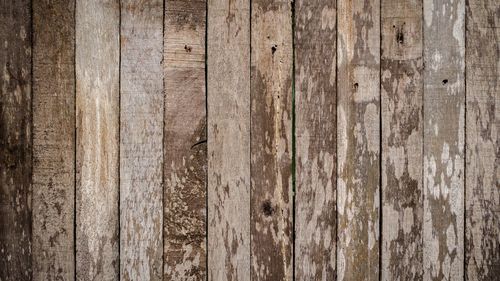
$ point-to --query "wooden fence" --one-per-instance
(249, 140)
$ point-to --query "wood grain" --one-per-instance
(185, 144)
(141, 140)
(97, 139)
(401, 93)
(444, 139)
(271, 141)
(358, 139)
(15, 141)
(482, 248)
(316, 140)
(228, 94)
(53, 139)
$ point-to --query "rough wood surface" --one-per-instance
(483, 140)
(228, 94)
(185, 169)
(401, 93)
(141, 140)
(53, 139)
(97, 139)
(358, 139)
(444, 125)
(316, 140)
(271, 140)
(15, 141)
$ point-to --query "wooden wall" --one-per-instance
(249, 140)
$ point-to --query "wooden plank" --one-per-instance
(444, 125)
(228, 96)
(97, 139)
(401, 93)
(482, 248)
(15, 141)
(141, 140)
(316, 140)
(53, 139)
(271, 140)
(358, 139)
(185, 169)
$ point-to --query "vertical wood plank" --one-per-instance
(141, 140)
(271, 140)
(185, 147)
(53, 139)
(97, 139)
(15, 141)
(401, 93)
(228, 94)
(316, 139)
(483, 140)
(358, 140)
(444, 125)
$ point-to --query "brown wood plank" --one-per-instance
(53, 139)
(97, 139)
(483, 140)
(444, 139)
(228, 94)
(316, 139)
(15, 141)
(271, 140)
(185, 169)
(141, 140)
(401, 93)
(358, 140)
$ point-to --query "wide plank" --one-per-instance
(97, 139)
(53, 139)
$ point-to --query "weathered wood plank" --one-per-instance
(271, 140)
(444, 125)
(185, 147)
(228, 94)
(316, 139)
(483, 140)
(97, 139)
(15, 141)
(141, 140)
(401, 93)
(358, 140)
(53, 139)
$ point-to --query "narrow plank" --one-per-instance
(316, 140)
(444, 139)
(141, 140)
(53, 139)
(15, 141)
(185, 169)
(97, 139)
(271, 140)
(482, 248)
(358, 140)
(228, 96)
(401, 93)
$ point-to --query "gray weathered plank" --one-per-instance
(401, 94)
(358, 140)
(141, 140)
(53, 139)
(271, 140)
(483, 140)
(444, 125)
(185, 168)
(316, 140)
(228, 95)
(97, 139)
(15, 141)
